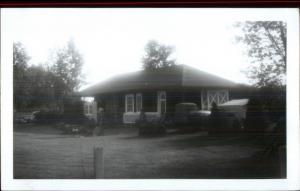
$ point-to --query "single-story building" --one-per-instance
(157, 92)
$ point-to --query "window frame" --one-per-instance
(140, 103)
(161, 100)
(126, 103)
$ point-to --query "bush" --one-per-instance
(48, 117)
(223, 122)
(82, 129)
(51, 117)
(71, 121)
(256, 116)
(74, 118)
(266, 106)
(73, 105)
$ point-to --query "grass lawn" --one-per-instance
(43, 152)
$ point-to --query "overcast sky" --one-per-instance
(112, 41)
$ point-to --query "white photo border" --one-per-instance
(290, 15)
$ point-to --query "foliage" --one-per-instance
(73, 105)
(20, 59)
(266, 47)
(267, 105)
(67, 67)
(40, 84)
(72, 114)
(40, 87)
(157, 56)
(20, 65)
(223, 122)
(48, 117)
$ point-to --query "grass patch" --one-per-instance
(40, 152)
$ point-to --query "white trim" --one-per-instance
(136, 95)
(126, 104)
(159, 100)
(219, 96)
(207, 103)
(131, 117)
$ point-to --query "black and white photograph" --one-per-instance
(150, 94)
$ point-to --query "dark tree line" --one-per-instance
(41, 86)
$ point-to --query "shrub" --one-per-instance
(48, 117)
(73, 105)
(74, 118)
(71, 121)
(256, 116)
(223, 122)
(85, 128)
(266, 106)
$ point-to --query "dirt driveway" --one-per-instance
(42, 152)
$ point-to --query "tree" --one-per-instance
(67, 67)
(20, 66)
(67, 71)
(157, 56)
(266, 48)
(38, 86)
(41, 87)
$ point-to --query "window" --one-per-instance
(129, 103)
(88, 108)
(138, 102)
(162, 102)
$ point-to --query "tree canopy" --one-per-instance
(20, 66)
(157, 56)
(67, 66)
(38, 86)
(266, 47)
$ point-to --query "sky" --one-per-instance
(112, 41)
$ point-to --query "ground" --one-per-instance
(44, 152)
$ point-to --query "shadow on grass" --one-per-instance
(221, 140)
(245, 168)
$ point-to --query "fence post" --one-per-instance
(98, 163)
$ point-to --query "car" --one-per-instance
(27, 117)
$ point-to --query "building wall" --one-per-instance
(114, 104)
(184, 96)
(149, 101)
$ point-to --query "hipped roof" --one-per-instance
(179, 76)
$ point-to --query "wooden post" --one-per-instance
(98, 163)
